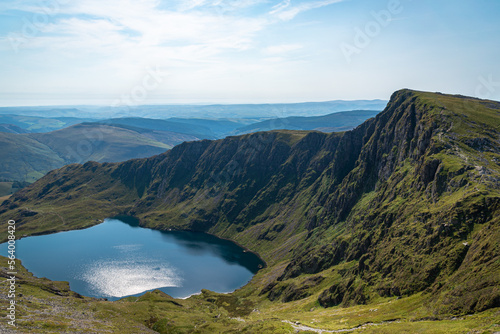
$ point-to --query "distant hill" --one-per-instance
(39, 124)
(8, 188)
(341, 121)
(200, 131)
(97, 142)
(219, 127)
(9, 128)
(27, 157)
(49, 111)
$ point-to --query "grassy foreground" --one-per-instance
(45, 306)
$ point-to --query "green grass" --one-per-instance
(24, 158)
(94, 142)
(5, 189)
(28, 157)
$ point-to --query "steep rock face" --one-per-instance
(403, 201)
(408, 211)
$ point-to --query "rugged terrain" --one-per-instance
(400, 214)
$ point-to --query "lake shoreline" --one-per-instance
(124, 260)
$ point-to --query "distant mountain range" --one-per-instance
(197, 127)
(29, 150)
(336, 122)
(237, 111)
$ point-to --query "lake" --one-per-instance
(117, 258)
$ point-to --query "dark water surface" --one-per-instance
(117, 259)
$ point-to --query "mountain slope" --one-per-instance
(28, 157)
(9, 128)
(200, 131)
(25, 159)
(335, 122)
(39, 124)
(87, 141)
(406, 203)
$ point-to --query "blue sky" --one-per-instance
(117, 52)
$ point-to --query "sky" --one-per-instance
(137, 52)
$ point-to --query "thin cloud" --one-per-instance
(280, 7)
(109, 44)
(286, 12)
(151, 27)
(144, 24)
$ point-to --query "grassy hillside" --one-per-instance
(8, 188)
(193, 130)
(396, 219)
(341, 121)
(9, 128)
(27, 157)
(5, 188)
(103, 143)
(39, 124)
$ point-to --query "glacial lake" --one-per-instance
(117, 258)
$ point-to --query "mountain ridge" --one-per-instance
(113, 140)
(28, 156)
(334, 122)
(363, 209)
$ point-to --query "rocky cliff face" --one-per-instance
(407, 202)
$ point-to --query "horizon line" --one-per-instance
(184, 104)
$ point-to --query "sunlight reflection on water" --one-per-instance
(129, 277)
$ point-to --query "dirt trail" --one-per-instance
(300, 327)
